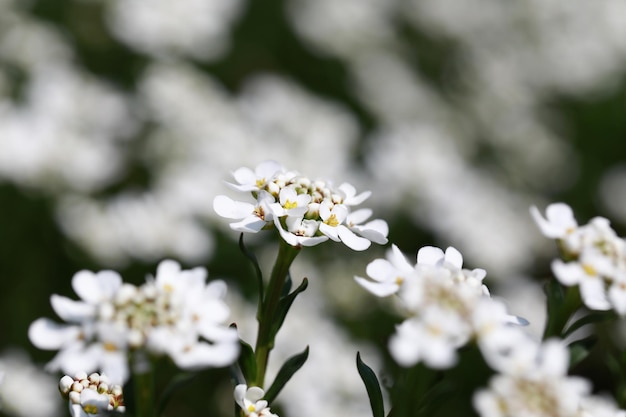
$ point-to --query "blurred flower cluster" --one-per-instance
(175, 313)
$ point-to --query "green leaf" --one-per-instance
(289, 368)
(580, 349)
(257, 269)
(372, 386)
(589, 319)
(247, 362)
(283, 307)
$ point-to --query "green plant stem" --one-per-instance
(143, 377)
(265, 338)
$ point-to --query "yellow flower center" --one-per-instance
(90, 409)
(290, 204)
(589, 269)
(332, 221)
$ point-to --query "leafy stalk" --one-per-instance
(269, 308)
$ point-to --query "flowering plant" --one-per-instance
(452, 335)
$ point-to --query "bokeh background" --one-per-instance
(120, 120)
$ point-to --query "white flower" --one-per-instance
(300, 231)
(264, 173)
(559, 220)
(333, 217)
(591, 284)
(253, 217)
(290, 203)
(250, 401)
(176, 313)
(432, 338)
(533, 382)
(388, 274)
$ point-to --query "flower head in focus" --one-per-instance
(92, 395)
(305, 212)
(250, 401)
(174, 313)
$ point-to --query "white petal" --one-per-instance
(381, 270)
(454, 257)
(593, 293)
(351, 240)
(239, 394)
(70, 310)
(254, 394)
(404, 345)
(115, 366)
(251, 224)
(330, 231)
(617, 295)
(397, 259)
(96, 287)
(48, 335)
(227, 207)
(429, 255)
(359, 216)
(312, 241)
(379, 289)
(567, 273)
(202, 355)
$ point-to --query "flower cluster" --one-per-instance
(175, 313)
(305, 212)
(250, 401)
(594, 257)
(532, 380)
(91, 395)
(447, 306)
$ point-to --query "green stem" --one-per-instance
(143, 377)
(265, 338)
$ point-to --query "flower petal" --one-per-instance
(351, 240)
(227, 207)
(48, 335)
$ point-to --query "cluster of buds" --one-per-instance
(91, 395)
(305, 212)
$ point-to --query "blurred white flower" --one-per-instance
(533, 381)
(19, 379)
(447, 306)
(594, 257)
(197, 28)
(175, 313)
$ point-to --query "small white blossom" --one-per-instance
(251, 402)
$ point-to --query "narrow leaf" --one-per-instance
(284, 305)
(247, 362)
(588, 319)
(372, 386)
(580, 349)
(289, 368)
